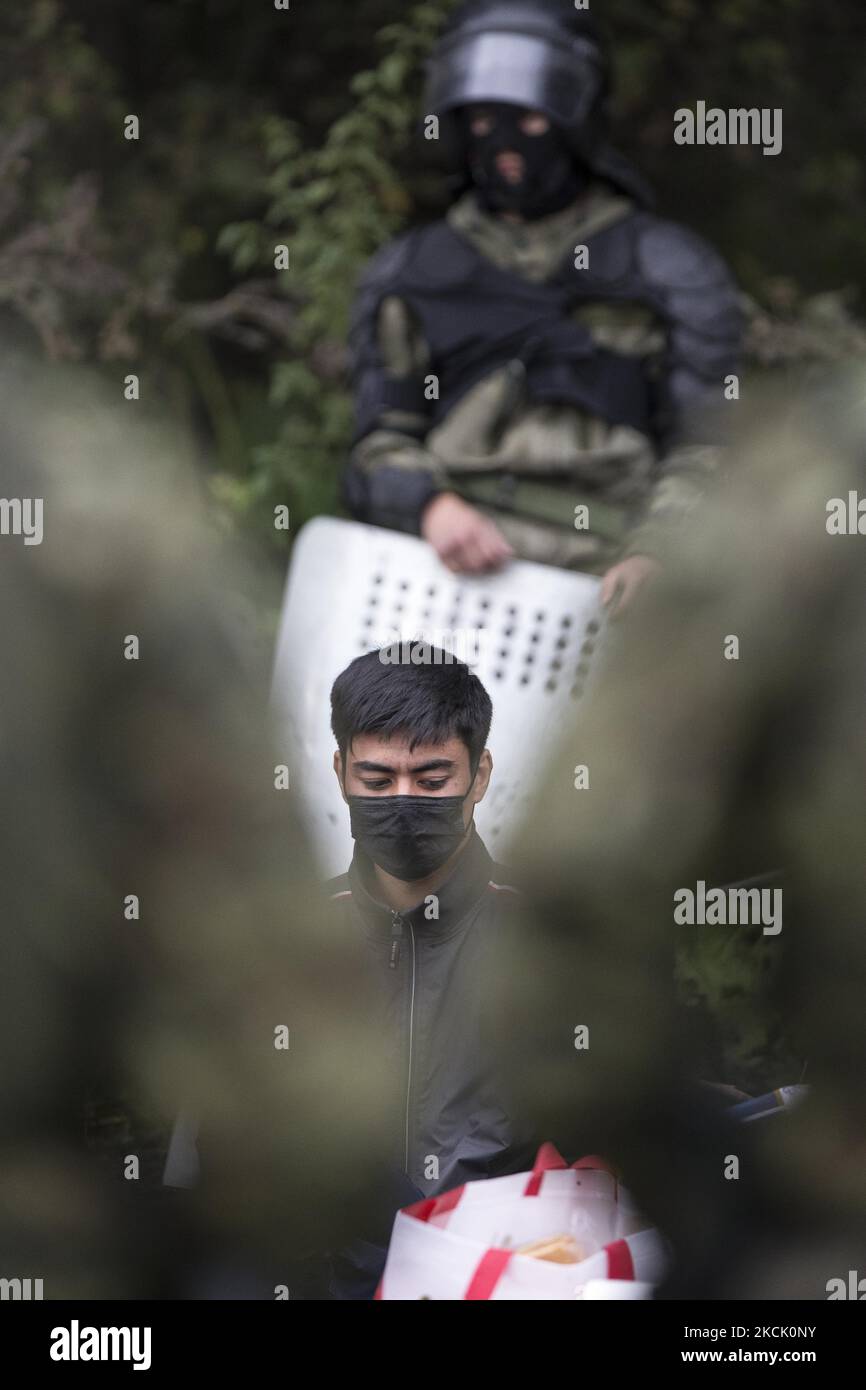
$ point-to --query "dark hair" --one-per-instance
(437, 699)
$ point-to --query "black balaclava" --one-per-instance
(553, 177)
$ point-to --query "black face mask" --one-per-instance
(552, 179)
(410, 837)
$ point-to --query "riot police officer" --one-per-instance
(541, 372)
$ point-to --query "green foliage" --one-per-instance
(333, 206)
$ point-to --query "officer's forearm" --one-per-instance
(390, 479)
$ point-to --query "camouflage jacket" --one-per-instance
(646, 302)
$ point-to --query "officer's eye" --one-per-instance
(374, 786)
(433, 786)
(534, 123)
(481, 123)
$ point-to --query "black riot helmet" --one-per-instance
(545, 55)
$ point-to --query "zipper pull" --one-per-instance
(396, 936)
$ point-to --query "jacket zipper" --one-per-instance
(397, 925)
(396, 936)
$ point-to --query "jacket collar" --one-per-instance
(536, 250)
(457, 895)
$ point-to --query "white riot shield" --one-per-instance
(530, 633)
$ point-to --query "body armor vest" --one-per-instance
(476, 318)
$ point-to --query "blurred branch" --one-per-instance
(255, 315)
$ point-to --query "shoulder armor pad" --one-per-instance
(377, 279)
(387, 263)
(424, 255)
(612, 250)
(672, 257)
(441, 257)
(423, 258)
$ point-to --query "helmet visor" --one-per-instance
(517, 68)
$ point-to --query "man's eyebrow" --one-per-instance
(435, 763)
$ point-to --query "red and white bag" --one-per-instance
(463, 1244)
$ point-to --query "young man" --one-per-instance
(431, 905)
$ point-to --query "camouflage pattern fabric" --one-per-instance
(555, 456)
(706, 767)
(154, 778)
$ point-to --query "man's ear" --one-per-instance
(482, 777)
(338, 769)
